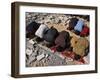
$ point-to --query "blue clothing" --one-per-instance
(79, 26)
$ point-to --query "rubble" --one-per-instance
(40, 57)
(28, 51)
(43, 57)
(32, 42)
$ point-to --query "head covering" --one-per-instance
(50, 35)
(41, 30)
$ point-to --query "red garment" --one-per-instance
(53, 49)
(85, 31)
(72, 55)
(82, 60)
(68, 54)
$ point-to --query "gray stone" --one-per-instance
(40, 57)
(28, 51)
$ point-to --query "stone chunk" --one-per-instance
(40, 57)
(28, 52)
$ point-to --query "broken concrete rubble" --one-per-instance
(40, 57)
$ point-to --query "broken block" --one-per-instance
(40, 57)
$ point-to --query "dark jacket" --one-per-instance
(63, 40)
(50, 35)
(32, 28)
(72, 23)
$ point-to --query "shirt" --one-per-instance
(85, 31)
(79, 26)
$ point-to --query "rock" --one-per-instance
(68, 59)
(28, 52)
(29, 45)
(46, 55)
(32, 42)
(31, 59)
(34, 18)
(40, 57)
(57, 21)
(28, 15)
(47, 20)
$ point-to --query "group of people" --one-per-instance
(78, 26)
(62, 41)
